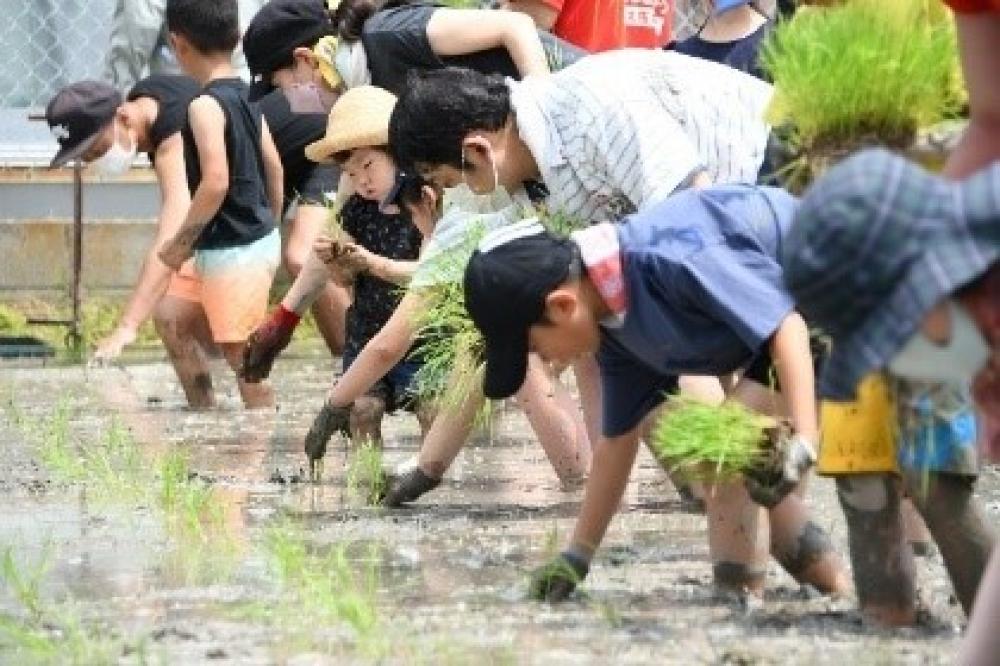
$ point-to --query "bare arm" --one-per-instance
(978, 37)
(793, 360)
(273, 170)
(391, 270)
(154, 277)
(542, 13)
(609, 473)
(381, 353)
(208, 124)
(459, 31)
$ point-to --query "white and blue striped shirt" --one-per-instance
(619, 131)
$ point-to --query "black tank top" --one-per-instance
(245, 215)
(173, 95)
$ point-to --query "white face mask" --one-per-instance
(957, 361)
(471, 201)
(117, 160)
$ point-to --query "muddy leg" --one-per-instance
(180, 325)
(804, 549)
(737, 538)
(255, 395)
(917, 534)
(366, 420)
(557, 430)
(956, 522)
(881, 558)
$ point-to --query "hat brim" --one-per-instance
(70, 153)
(506, 365)
(322, 151)
(874, 344)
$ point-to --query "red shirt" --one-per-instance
(594, 25)
(973, 6)
(648, 23)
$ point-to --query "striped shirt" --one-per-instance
(622, 130)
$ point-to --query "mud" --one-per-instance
(448, 575)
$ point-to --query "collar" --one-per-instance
(533, 126)
(600, 251)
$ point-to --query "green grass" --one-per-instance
(867, 71)
(701, 441)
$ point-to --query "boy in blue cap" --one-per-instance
(689, 286)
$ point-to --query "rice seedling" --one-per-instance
(707, 441)
(863, 72)
(366, 481)
(47, 633)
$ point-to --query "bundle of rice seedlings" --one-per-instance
(866, 72)
(702, 441)
(366, 482)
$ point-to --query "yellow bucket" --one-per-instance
(859, 437)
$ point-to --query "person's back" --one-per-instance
(245, 214)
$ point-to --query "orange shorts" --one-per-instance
(185, 283)
(235, 283)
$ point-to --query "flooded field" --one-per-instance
(134, 531)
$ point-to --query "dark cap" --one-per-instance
(875, 244)
(280, 27)
(506, 283)
(76, 116)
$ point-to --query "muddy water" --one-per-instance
(451, 570)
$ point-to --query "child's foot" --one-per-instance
(329, 420)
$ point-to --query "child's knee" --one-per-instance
(367, 412)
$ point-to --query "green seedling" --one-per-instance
(706, 441)
(366, 480)
(863, 72)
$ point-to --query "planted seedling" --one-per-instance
(366, 480)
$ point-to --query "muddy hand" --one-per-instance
(407, 487)
(329, 420)
(556, 579)
(112, 346)
(768, 487)
(264, 345)
(174, 253)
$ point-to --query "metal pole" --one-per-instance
(74, 331)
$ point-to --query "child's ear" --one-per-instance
(560, 305)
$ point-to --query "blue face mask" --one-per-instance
(955, 362)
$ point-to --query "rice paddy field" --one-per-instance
(136, 532)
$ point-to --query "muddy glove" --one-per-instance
(264, 344)
(329, 420)
(556, 579)
(770, 483)
(407, 487)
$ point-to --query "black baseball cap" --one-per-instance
(76, 116)
(506, 282)
(280, 27)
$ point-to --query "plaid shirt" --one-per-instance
(622, 130)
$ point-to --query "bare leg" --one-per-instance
(880, 557)
(917, 534)
(183, 328)
(982, 640)
(329, 306)
(449, 432)
(804, 549)
(255, 395)
(588, 383)
(558, 430)
(366, 420)
(737, 538)
(956, 521)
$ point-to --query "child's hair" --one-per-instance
(212, 26)
(438, 108)
(341, 157)
(350, 15)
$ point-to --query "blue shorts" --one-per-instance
(937, 430)
(396, 388)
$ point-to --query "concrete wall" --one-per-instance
(36, 230)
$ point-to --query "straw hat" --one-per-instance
(360, 118)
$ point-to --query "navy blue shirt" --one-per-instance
(704, 293)
(742, 54)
